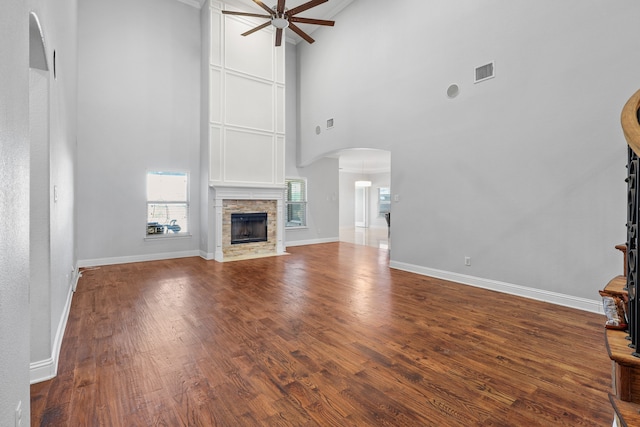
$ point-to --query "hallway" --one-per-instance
(371, 236)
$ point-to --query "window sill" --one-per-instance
(168, 236)
(301, 227)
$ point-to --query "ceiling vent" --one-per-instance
(485, 72)
(329, 123)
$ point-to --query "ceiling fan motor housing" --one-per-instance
(280, 19)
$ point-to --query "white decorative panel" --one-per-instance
(215, 154)
(280, 64)
(279, 160)
(250, 54)
(248, 103)
(248, 158)
(216, 34)
(279, 113)
(215, 95)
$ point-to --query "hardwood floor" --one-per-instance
(325, 336)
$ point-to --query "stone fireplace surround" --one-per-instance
(229, 200)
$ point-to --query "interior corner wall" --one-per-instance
(322, 176)
(14, 210)
(139, 111)
(524, 172)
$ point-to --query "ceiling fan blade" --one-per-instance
(301, 33)
(258, 28)
(280, 7)
(312, 21)
(279, 37)
(305, 6)
(264, 6)
(257, 15)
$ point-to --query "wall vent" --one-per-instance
(485, 72)
(329, 123)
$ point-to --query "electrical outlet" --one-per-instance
(19, 414)
(467, 261)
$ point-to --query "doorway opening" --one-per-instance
(365, 196)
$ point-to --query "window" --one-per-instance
(384, 200)
(167, 203)
(296, 202)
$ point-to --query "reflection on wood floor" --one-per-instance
(375, 237)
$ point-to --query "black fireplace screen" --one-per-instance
(248, 227)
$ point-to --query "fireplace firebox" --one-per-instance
(248, 227)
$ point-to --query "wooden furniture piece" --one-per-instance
(625, 374)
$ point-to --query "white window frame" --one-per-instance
(304, 203)
(166, 234)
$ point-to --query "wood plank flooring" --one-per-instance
(325, 336)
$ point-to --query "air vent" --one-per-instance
(329, 123)
(484, 72)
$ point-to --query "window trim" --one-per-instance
(180, 234)
(305, 203)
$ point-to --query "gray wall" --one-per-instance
(139, 110)
(53, 269)
(524, 172)
(322, 175)
(14, 210)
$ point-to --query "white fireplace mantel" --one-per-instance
(222, 193)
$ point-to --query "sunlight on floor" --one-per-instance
(376, 237)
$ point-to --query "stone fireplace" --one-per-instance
(247, 202)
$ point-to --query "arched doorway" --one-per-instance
(39, 200)
(365, 184)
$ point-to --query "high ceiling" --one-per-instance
(326, 10)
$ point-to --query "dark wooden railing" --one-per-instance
(624, 346)
(631, 129)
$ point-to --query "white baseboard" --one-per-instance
(594, 306)
(207, 255)
(311, 241)
(44, 370)
(136, 258)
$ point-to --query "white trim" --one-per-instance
(209, 256)
(44, 370)
(312, 241)
(136, 258)
(579, 303)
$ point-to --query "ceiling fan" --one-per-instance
(281, 17)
